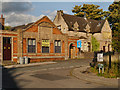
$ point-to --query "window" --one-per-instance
(31, 45)
(59, 27)
(6, 40)
(57, 46)
(45, 46)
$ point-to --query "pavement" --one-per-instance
(82, 74)
(30, 64)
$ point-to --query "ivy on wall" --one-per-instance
(95, 44)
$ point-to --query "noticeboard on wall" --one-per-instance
(79, 44)
(100, 57)
(46, 43)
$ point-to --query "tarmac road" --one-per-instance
(56, 75)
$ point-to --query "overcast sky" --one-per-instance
(18, 13)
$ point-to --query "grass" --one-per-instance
(112, 72)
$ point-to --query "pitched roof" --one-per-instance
(21, 27)
(95, 26)
(31, 24)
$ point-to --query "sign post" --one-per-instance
(100, 59)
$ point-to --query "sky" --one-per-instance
(58, 0)
(18, 13)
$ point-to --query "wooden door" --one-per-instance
(6, 48)
(71, 53)
(74, 49)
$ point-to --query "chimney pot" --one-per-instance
(1, 15)
(60, 12)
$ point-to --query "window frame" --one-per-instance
(58, 46)
(31, 47)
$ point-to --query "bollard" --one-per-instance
(21, 60)
(101, 66)
(26, 60)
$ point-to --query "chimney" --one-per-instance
(60, 12)
(2, 21)
(85, 16)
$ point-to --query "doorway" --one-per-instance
(89, 49)
(6, 48)
(71, 51)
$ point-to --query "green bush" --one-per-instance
(95, 44)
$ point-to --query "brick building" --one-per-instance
(43, 40)
(39, 41)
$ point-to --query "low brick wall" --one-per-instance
(44, 59)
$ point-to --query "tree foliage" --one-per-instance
(95, 44)
(91, 11)
(114, 20)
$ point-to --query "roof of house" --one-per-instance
(21, 27)
(95, 26)
(30, 24)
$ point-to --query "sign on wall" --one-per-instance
(79, 43)
(45, 43)
(100, 57)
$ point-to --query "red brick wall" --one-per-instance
(15, 45)
(15, 60)
(34, 28)
(63, 47)
(44, 59)
(56, 31)
(38, 47)
(75, 43)
(9, 34)
(51, 48)
(24, 46)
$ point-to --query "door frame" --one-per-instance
(3, 49)
(70, 49)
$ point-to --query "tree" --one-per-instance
(91, 11)
(95, 44)
(114, 20)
